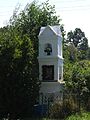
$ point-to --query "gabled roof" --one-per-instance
(55, 29)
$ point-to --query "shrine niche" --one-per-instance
(48, 49)
(48, 72)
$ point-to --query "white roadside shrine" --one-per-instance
(50, 60)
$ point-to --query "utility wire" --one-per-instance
(71, 8)
(61, 8)
(70, 1)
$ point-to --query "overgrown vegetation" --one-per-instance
(77, 67)
(19, 83)
(80, 116)
(62, 109)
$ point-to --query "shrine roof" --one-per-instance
(55, 29)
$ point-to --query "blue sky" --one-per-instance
(74, 13)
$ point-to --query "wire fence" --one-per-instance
(71, 102)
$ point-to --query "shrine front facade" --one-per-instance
(50, 59)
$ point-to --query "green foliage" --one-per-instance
(81, 116)
(77, 65)
(88, 53)
(77, 37)
(77, 79)
(19, 84)
(70, 53)
(63, 109)
(30, 20)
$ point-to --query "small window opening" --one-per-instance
(48, 49)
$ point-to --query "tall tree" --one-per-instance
(77, 37)
(19, 84)
(30, 20)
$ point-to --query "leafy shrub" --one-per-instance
(56, 110)
(80, 116)
(69, 107)
(63, 109)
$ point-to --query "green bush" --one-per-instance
(69, 107)
(56, 110)
(63, 109)
(80, 116)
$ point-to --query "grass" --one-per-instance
(80, 116)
